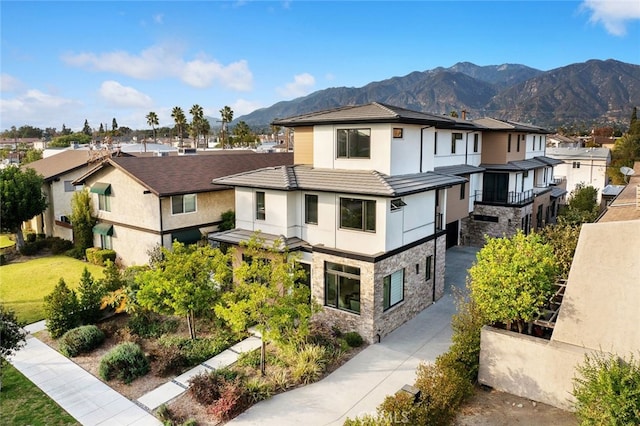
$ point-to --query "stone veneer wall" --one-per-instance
(373, 320)
(509, 221)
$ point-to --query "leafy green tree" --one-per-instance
(21, 199)
(267, 292)
(228, 221)
(181, 121)
(12, 336)
(152, 120)
(86, 129)
(61, 309)
(226, 114)
(90, 298)
(82, 220)
(65, 141)
(32, 155)
(582, 206)
(114, 126)
(513, 278)
(187, 281)
(65, 131)
(563, 238)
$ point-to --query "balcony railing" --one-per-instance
(510, 198)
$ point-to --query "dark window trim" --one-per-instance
(261, 205)
(386, 288)
(310, 219)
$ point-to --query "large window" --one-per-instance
(354, 143)
(183, 203)
(393, 289)
(311, 209)
(509, 143)
(104, 202)
(342, 287)
(454, 138)
(475, 142)
(260, 206)
(358, 214)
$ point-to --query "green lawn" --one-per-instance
(24, 285)
(23, 403)
(5, 241)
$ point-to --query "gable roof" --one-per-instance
(57, 165)
(375, 112)
(365, 182)
(174, 175)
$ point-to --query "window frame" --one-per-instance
(427, 267)
(338, 273)
(365, 211)
(455, 136)
(396, 204)
(308, 219)
(104, 202)
(463, 190)
(348, 152)
(398, 132)
(261, 205)
(106, 242)
(387, 290)
(509, 143)
(476, 142)
(183, 204)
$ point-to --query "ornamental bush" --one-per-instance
(80, 340)
(126, 362)
(353, 339)
(607, 390)
(61, 310)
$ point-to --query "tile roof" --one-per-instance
(236, 236)
(459, 169)
(557, 191)
(522, 165)
(61, 163)
(366, 182)
(512, 126)
(579, 153)
(375, 112)
(173, 175)
(548, 160)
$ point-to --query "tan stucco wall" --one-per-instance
(457, 208)
(600, 308)
(131, 245)
(209, 207)
(529, 367)
(303, 141)
(494, 148)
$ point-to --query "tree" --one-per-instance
(82, 220)
(226, 114)
(12, 336)
(32, 155)
(197, 115)
(114, 126)
(242, 132)
(267, 292)
(21, 199)
(90, 298)
(86, 129)
(66, 140)
(187, 281)
(582, 206)
(275, 130)
(65, 131)
(228, 221)
(152, 120)
(513, 278)
(61, 310)
(563, 238)
(179, 118)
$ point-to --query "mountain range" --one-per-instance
(590, 93)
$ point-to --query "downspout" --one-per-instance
(160, 211)
(435, 267)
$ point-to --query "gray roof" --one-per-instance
(367, 182)
(511, 126)
(376, 112)
(459, 169)
(522, 165)
(547, 160)
(236, 236)
(527, 164)
(578, 153)
(556, 191)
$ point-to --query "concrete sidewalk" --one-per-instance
(361, 384)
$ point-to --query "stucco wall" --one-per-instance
(529, 367)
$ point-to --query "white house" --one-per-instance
(582, 165)
(366, 205)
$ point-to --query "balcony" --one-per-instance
(510, 198)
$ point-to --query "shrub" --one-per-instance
(80, 340)
(206, 388)
(90, 298)
(29, 249)
(58, 245)
(607, 390)
(61, 310)
(90, 254)
(353, 339)
(258, 389)
(101, 256)
(402, 409)
(125, 362)
(308, 364)
(167, 360)
(231, 401)
(76, 253)
(30, 237)
(149, 324)
(198, 350)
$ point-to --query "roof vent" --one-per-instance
(161, 154)
(187, 151)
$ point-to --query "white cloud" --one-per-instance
(300, 86)
(35, 108)
(613, 14)
(117, 95)
(10, 84)
(162, 61)
(243, 107)
(158, 18)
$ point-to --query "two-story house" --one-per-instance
(149, 201)
(518, 187)
(363, 206)
(586, 166)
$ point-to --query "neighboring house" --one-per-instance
(586, 166)
(561, 141)
(143, 202)
(518, 189)
(364, 207)
(598, 314)
(59, 172)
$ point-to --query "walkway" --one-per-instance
(360, 385)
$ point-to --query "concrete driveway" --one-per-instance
(361, 384)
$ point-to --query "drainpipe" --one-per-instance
(435, 268)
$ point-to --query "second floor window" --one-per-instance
(475, 142)
(463, 190)
(354, 143)
(183, 203)
(455, 137)
(260, 206)
(104, 202)
(358, 214)
(311, 209)
(509, 143)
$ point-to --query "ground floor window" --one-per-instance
(105, 242)
(342, 287)
(427, 268)
(393, 289)
(306, 280)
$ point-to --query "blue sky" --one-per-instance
(67, 61)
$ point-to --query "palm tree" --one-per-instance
(178, 117)
(152, 120)
(227, 117)
(196, 122)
